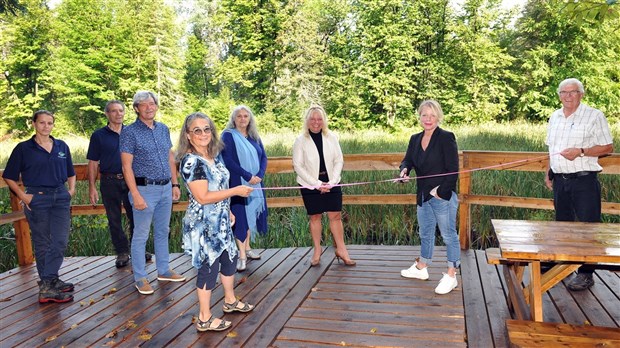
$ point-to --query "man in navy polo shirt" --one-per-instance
(151, 176)
(45, 165)
(104, 156)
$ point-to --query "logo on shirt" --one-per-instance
(62, 155)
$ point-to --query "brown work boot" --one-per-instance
(48, 293)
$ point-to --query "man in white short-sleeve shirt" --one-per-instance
(576, 135)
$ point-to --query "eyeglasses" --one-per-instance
(569, 93)
(199, 131)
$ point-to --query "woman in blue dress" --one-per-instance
(207, 233)
(245, 158)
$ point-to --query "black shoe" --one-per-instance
(582, 281)
(148, 256)
(62, 286)
(49, 293)
(122, 260)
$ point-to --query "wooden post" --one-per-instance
(464, 207)
(23, 242)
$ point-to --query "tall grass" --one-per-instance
(384, 224)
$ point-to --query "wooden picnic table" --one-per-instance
(568, 244)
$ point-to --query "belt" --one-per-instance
(574, 175)
(45, 190)
(157, 182)
(112, 176)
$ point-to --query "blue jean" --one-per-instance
(158, 199)
(49, 218)
(442, 213)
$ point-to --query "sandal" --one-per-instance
(232, 307)
(206, 325)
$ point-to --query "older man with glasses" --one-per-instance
(576, 135)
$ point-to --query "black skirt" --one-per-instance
(318, 203)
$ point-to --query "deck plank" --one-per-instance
(477, 319)
(297, 305)
(495, 299)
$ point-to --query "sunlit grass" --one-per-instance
(390, 225)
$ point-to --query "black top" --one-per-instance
(318, 141)
(103, 148)
(38, 167)
(440, 157)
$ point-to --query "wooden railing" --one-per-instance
(517, 161)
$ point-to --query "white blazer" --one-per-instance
(306, 160)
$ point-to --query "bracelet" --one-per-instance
(176, 185)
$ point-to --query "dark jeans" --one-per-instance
(577, 198)
(49, 218)
(114, 193)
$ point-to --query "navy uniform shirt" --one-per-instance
(150, 149)
(104, 148)
(38, 167)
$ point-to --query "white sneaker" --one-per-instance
(446, 284)
(414, 272)
(252, 255)
(241, 264)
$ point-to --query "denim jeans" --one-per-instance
(158, 199)
(442, 213)
(49, 218)
(115, 194)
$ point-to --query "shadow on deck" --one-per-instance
(297, 306)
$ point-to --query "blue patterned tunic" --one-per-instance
(206, 228)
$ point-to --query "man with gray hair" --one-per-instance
(104, 159)
(150, 172)
(576, 135)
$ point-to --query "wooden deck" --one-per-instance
(297, 306)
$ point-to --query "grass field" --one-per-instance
(389, 225)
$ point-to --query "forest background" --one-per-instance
(368, 62)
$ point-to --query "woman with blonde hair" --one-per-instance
(318, 162)
(433, 154)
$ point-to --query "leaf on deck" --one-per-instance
(145, 335)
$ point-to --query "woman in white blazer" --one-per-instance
(318, 161)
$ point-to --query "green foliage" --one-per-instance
(369, 63)
(591, 11)
(24, 37)
(549, 47)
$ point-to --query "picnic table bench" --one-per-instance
(526, 333)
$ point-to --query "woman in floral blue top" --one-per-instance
(207, 233)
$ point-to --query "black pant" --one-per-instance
(114, 193)
(577, 198)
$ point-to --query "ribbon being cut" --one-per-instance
(403, 180)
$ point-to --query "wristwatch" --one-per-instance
(582, 153)
(179, 186)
